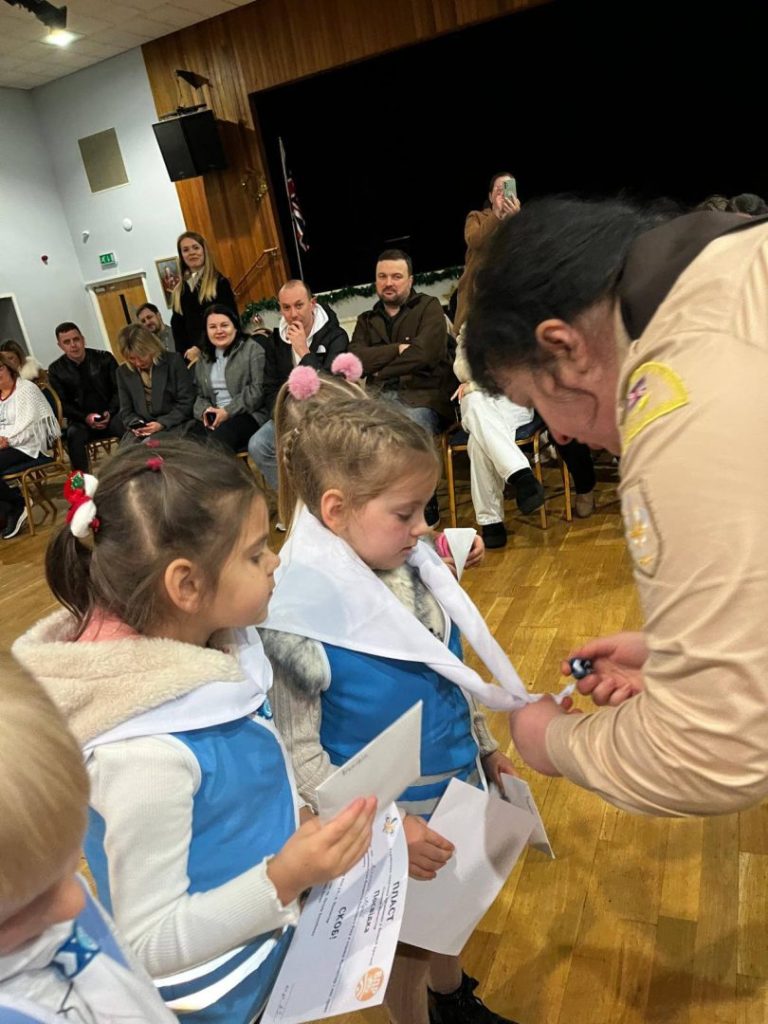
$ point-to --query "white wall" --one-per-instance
(32, 224)
(113, 94)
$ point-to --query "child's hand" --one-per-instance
(315, 853)
(474, 558)
(427, 851)
(495, 765)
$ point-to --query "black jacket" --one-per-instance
(66, 381)
(172, 393)
(330, 341)
(188, 326)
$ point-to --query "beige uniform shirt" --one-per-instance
(693, 411)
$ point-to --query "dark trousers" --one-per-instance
(12, 458)
(233, 433)
(578, 459)
(77, 436)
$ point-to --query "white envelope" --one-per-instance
(518, 792)
(383, 768)
(460, 539)
(489, 835)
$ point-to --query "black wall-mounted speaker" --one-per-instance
(190, 145)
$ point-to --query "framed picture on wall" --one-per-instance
(170, 275)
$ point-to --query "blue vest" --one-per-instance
(243, 812)
(367, 693)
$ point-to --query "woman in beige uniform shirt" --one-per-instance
(651, 339)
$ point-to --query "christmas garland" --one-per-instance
(357, 291)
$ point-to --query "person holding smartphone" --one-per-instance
(502, 202)
(155, 388)
(229, 376)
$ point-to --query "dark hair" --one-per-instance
(747, 202)
(150, 306)
(5, 361)
(556, 258)
(67, 326)
(397, 254)
(207, 348)
(192, 506)
(13, 346)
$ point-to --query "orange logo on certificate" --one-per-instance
(369, 984)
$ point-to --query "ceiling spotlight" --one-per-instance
(192, 78)
(60, 37)
(52, 17)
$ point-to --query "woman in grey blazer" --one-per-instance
(229, 377)
(154, 386)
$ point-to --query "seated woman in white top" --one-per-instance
(229, 377)
(27, 426)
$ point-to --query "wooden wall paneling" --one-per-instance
(269, 43)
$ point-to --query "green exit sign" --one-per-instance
(108, 259)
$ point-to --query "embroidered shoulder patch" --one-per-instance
(640, 530)
(653, 390)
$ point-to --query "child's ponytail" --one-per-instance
(68, 572)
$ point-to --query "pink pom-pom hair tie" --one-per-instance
(303, 383)
(155, 463)
(348, 366)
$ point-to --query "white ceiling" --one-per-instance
(106, 27)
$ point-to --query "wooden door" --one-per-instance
(118, 302)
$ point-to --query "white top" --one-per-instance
(219, 380)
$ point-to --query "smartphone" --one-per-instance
(140, 423)
(210, 418)
(98, 417)
(510, 189)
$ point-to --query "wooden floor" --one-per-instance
(638, 920)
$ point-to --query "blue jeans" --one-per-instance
(427, 418)
(261, 448)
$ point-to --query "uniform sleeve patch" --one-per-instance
(640, 530)
(653, 390)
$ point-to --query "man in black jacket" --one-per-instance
(85, 381)
(308, 335)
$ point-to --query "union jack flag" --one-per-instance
(296, 215)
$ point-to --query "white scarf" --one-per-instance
(327, 593)
(31, 425)
(108, 991)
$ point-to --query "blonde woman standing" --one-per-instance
(201, 285)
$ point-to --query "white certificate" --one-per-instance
(489, 835)
(341, 955)
(518, 792)
(383, 768)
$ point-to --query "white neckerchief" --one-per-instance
(327, 593)
(111, 992)
(210, 704)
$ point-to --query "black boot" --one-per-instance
(462, 1006)
(529, 493)
(432, 511)
(494, 535)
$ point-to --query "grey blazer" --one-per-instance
(173, 393)
(244, 374)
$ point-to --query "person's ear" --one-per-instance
(334, 511)
(566, 346)
(184, 585)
